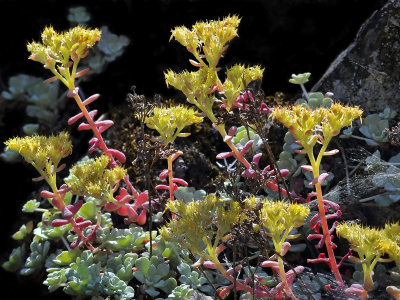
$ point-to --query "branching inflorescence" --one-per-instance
(101, 259)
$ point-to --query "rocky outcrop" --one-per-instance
(367, 73)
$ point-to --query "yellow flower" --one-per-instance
(193, 224)
(60, 49)
(364, 240)
(170, 121)
(305, 123)
(211, 37)
(238, 78)
(44, 153)
(92, 178)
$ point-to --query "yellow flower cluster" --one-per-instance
(59, 48)
(371, 244)
(93, 178)
(238, 78)
(195, 85)
(194, 223)
(364, 240)
(280, 217)
(304, 122)
(211, 37)
(194, 228)
(170, 121)
(44, 153)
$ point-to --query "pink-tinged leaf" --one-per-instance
(59, 222)
(124, 199)
(80, 219)
(37, 179)
(143, 198)
(232, 131)
(75, 243)
(84, 126)
(195, 63)
(266, 169)
(164, 174)
(162, 187)
(51, 79)
(285, 248)
(75, 118)
(180, 181)
(307, 168)
(73, 93)
(237, 269)
(84, 224)
(269, 264)
(331, 204)
(271, 185)
(92, 113)
(256, 158)
(76, 206)
(322, 177)
(247, 146)
(249, 173)
(46, 194)
(111, 206)
(224, 155)
(332, 152)
(220, 248)
(118, 155)
(264, 109)
(66, 213)
(142, 218)
(132, 214)
(355, 289)
(122, 211)
(104, 123)
(176, 155)
(91, 99)
(82, 72)
(314, 181)
(56, 203)
(314, 236)
(222, 106)
(92, 236)
(228, 138)
(283, 173)
(209, 264)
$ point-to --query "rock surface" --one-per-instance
(367, 73)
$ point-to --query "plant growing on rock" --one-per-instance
(310, 127)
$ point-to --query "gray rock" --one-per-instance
(199, 296)
(367, 73)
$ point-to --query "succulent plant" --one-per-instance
(193, 278)
(241, 138)
(16, 259)
(181, 292)
(373, 128)
(154, 274)
(189, 194)
(37, 258)
(387, 178)
(78, 16)
(316, 100)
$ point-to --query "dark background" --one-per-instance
(284, 36)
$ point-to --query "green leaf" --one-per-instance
(67, 257)
(30, 206)
(143, 264)
(89, 210)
